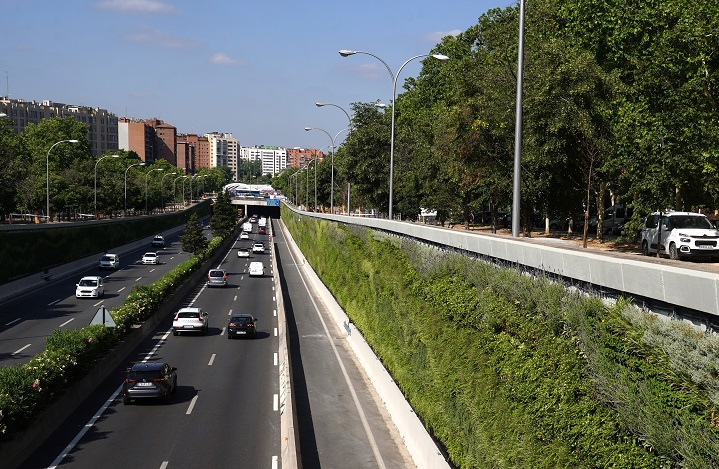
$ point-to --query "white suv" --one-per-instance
(683, 234)
(190, 320)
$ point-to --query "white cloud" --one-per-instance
(223, 59)
(437, 36)
(136, 6)
(160, 38)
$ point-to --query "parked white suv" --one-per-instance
(683, 234)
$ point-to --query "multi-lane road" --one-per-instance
(225, 411)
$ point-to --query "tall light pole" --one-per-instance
(147, 176)
(332, 180)
(98, 162)
(345, 53)
(320, 104)
(174, 192)
(183, 191)
(47, 187)
(162, 190)
(128, 169)
(518, 127)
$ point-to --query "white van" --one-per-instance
(262, 223)
(247, 226)
(257, 269)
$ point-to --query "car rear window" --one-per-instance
(217, 273)
(150, 374)
(241, 320)
(188, 314)
(88, 283)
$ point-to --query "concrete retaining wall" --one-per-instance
(686, 288)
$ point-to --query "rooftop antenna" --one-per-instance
(7, 85)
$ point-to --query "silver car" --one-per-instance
(216, 278)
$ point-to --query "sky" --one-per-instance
(250, 68)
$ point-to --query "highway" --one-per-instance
(224, 412)
(27, 321)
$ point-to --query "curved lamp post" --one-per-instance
(174, 192)
(345, 53)
(332, 180)
(47, 164)
(147, 176)
(320, 104)
(98, 162)
(124, 214)
(162, 190)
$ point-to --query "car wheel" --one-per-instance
(175, 332)
(125, 400)
(174, 387)
(645, 248)
(167, 398)
(673, 252)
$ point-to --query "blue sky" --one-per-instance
(252, 68)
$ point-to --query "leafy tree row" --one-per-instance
(27, 157)
(620, 106)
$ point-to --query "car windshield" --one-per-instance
(688, 221)
(107, 258)
(188, 314)
(149, 374)
(88, 283)
(217, 273)
(241, 320)
(150, 254)
(158, 238)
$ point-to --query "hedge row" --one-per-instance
(27, 389)
(507, 370)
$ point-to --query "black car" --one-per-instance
(242, 325)
(149, 380)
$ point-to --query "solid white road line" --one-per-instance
(275, 402)
(56, 301)
(121, 289)
(67, 322)
(164, 464)
(20, 350)
(358, 405)
(212, 359)
(99, 303)
(138, 279)
(192, 404)
(13, 322)
(274, 462)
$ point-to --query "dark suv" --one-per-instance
(149, 380)
(242, 325)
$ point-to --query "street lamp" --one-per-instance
(183, 191)
(162, 190)
(98, 162)
(128, 169)
(332, 178)
(174, 192)
(320, 104)
(518, 126)
(48, 173)
(147, 176)
(443, 58)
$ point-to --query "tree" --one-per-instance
(193, 240)
(14, 169)
(224, 216)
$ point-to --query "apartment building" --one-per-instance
(187, 153)
(151, 139)
(274, 159)
(299, 157)
(102, 131)
(223, 150)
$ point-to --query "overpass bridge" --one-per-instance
(261, 206)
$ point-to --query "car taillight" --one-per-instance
(208, 276)
(224, 277)
(130, 380)
(158, 379)
(201, 319)
(232, 324)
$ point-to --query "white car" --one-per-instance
(150, 258)
(90, 287)
(258, 248)
(243, 252)
(190, 320)
(262, 223)
(683, 234)
(244, 235)
(110, 261)
(257, 269)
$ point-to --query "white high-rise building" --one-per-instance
(223, 150)
(274, 159)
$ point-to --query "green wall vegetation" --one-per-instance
(507, 370)
(24, 252)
